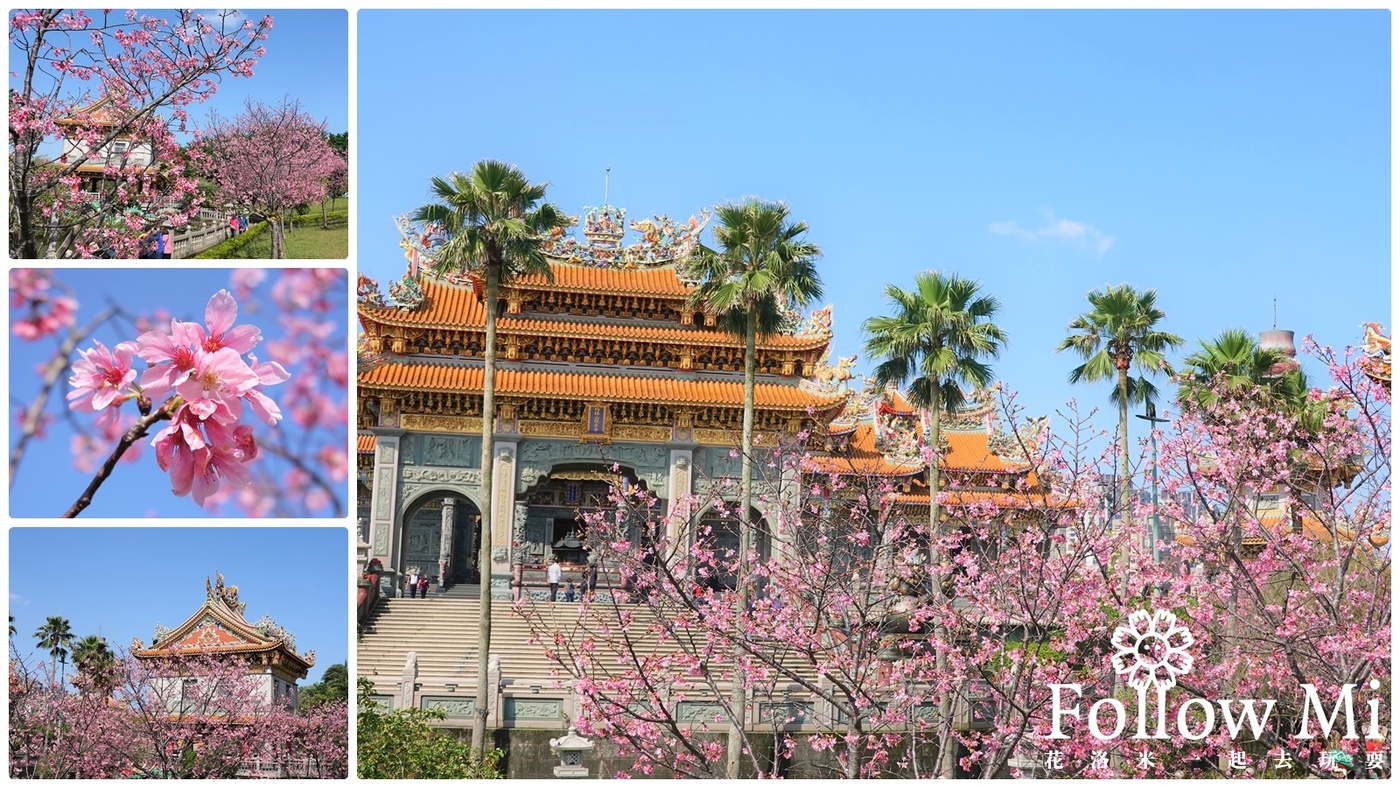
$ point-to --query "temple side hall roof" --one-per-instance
(458, 307)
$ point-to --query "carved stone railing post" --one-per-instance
(408, 682)
(496, 704)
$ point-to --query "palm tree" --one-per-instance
(95, 661)
(1118, 332)
(762, 269)
(55, 634)
(936, 340)
(493, 224)
(1236, 360)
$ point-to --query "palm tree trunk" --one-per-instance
(947, 760)
(737, 695)
(1125, 482)
(488, 450)
(1125, 490)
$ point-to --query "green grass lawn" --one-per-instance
(303, 243)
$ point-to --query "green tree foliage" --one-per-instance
(403, 745)
(56, 635)
(334, 685)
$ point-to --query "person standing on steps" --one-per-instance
(554, 573)
(423, 585)
(413, 582)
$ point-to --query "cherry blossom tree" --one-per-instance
(1285, 517)
(112, 88)
(273, 159)
(199, 390)
(839, 643)
(198, 716)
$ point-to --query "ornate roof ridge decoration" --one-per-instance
(898, 432)
(1376, 363)
(218, 626)
(663, 241)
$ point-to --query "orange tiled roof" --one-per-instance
(216, 627)
(364, 444)
(610, 386)
(967, 451)
(861, 458)
(456, 306)
(1313, 528)
(661, 281)
(894, 402)
(1010, 500)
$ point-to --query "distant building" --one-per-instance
(123, 151)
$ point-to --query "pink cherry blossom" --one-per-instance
(220, 314)
(216, 386)
(171, 356)
(100, 375)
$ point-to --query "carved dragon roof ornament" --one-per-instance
(1376, 363)
(222, 593)
(663, 240)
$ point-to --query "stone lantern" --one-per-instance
(570, 748)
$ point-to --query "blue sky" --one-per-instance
(1222, 158)
(307, 58)
(47, 481)
(121, 582)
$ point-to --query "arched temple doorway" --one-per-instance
(449, 560)
(556, 507)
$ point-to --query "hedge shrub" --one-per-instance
(225, 249)
(333, 219)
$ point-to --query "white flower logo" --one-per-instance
(1151, 649)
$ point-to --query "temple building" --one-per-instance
(123, 150)
(218, 629)
(607, 374)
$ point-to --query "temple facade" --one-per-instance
(218, 629)
(606, 375)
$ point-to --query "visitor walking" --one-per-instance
(243, 223)
(590, 577)
(423, 586)
(569, 592)
(160, 245)
(169, 240)
(413, 582)
(554, 573)
(232, 225)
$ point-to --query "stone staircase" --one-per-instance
(441, 632)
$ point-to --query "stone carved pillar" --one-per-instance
(678, 490)
(786, 516)
(449, 518)
(384, 504)
(502, 518)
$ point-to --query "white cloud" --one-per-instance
(18, 601)
(1068, 231)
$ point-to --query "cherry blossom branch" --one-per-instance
(34, 413)
(137, 432)
(315, 477)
